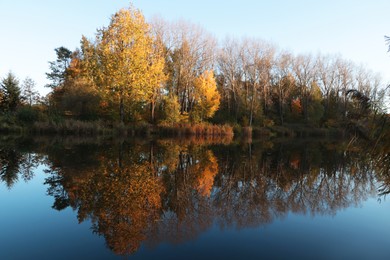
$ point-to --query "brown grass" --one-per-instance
(201, 129)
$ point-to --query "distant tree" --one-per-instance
(28, 91)
(10, 93)
(59, 67)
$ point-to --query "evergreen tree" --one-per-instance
(59, 67)
(10, 93)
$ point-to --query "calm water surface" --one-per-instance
(136, 199)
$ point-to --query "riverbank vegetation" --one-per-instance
(175, 78)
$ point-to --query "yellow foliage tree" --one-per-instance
(207, 97)
(130, 64)
(207, 173)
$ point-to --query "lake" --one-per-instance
(192, 199)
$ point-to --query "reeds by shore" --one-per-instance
(200, 129)
(90, 128)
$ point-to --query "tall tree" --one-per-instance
(10, 93)
(58, 68)
(129, 67)
(283, 82)
(305, 73)
(231, 72)
(257, 59)
(190, 50)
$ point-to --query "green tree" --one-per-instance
(10, 93)
(58, 68)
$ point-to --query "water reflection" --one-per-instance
(149, 192)
(15, 163)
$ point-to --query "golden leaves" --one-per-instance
(207, 95)
(207, 174)
(129, 62)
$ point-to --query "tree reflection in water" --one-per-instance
(150, 192)
(15, 163)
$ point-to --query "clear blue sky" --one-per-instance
(31, 29)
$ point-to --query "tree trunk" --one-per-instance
(120, 155)
(281, 101)
(152, 109)
(121, 110)
(252, 106)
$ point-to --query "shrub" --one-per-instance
(27, 115)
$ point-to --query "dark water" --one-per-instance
(137, 199)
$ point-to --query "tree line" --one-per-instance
(163, 72)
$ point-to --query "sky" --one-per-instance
(31, 29)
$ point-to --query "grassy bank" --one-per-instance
(73, 127)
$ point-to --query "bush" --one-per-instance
(69, 127)
(27, 115)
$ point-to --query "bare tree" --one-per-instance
(283, 81)
(327, 76)
(231, 69)
(29, 92)
(190, 50)
(257, 61)
(345, 80)
(305, 73)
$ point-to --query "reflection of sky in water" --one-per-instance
(354, 233)
(31, 229)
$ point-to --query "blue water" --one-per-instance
(31, 229)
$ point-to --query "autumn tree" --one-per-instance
(171, 109)
(206, 98)
(80, 96)
(189, 51)
(130, 68)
